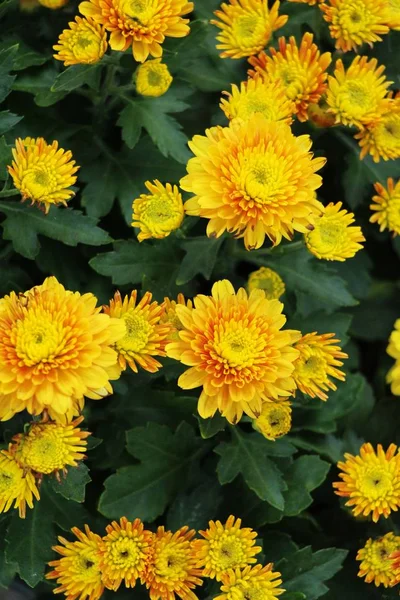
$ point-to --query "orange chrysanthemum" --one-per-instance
(387, 206)
(301, 70)
(85, 42)
(251, 583)
(376, 560)
(142, 25)
(236, 351)
(254, 179)
(381, 139)
(17, 484)
(55, 348)
(395, 560)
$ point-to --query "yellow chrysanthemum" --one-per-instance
(318, 113)
(159, 213)
(153, 78)
(334, 237)
(387, 206)
(376, 563)
(318, 361)
(236, 351)
(254, 179)
(395, 560)
(246, 26)
(267, 280)
(171, 570)
(251, 583)
(393, 14)
(225, 547)
(393, 349)
(170, 316)
(42, 172)
(85, 42)
(381, 139)
(55, 348)
(124, 553)
(145, 335)
(17, 485)
(309, 2)
(142, 24)
(275, 419)
(355, 22)
(301, 69)
(53, 4)
(258, 96)
(49, 447)
(371, 480)
(78, 571)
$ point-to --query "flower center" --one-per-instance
(38, 181)
(238, 348)
(227, 552)
(138, 331)
(262, 179)
(332, 234)
(354, 19)
(85, 566)
(141, 11)
(154, 78)
(293, 77)
(171, 564)
(359, 94)
(252, 592)
(160, 210)
(375, 483)
(124, 553)
(312, 365)
(44, 451)
(38, 339)
(250, 30)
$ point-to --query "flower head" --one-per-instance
(301, 70)
(393, 349)
(153, 78)
(395, 560)
(78, 570)
(42, 172)
(381, 139)
(334, 237)
(254, 179)
(85, 42)
(225, 547)
(251, 583)
(170, 316)
(53, 4)
(371, 480)
(17, 485)
(376, 563)
(246, 26)
(267, 280)
(275, 419)
(393, 14)
(318, 361)
(236, 351)
(145, 335)
(355, 22)
(171, 570)
(55, 348)
(387, 206)
(159, 213)
(318, 113)
(142, 24)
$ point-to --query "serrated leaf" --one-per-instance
(201, 256)
(73, 485)
(166, 133)
(7, 57)
(5, 158)
(76, 76)
(8, 120)
(130, 124)
(210, 427)
(195, 509)
(99, 194)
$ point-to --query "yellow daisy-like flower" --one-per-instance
(251, 583)
(170, 316)
(246, 26)
(236, 350)
(376, 562)
(300, 69)
(171, 570)
(153, 78)
(53, 4)
(145, 335)
(258, 96)
(275, 419)
(159, 213)
(267, 280)
(142, 24)
(42, 172)
(253, 179)
(124, 553)
(225, 547)
(85, 42)
(55, 348)
(78, 571)
(318, 361)
(17, 485)
(387, 206)
(393, 14)
(334, 237)
(393, 349)
(356, 95)
(371, 480)
(355, 22)
(318, 113)
(49, 447)
(381, 139)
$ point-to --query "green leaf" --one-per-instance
(210, 427)
(379, 310)
(99, 194)
(73, 485)
(7, 57)
(5, 6)
(7, 570)
(76, 76)
(201, 256)
(130, 124)
(5, 158)
(338, 324)
(39, 83)
(8, 120)
(195, 509)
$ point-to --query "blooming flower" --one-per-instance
(275, 419)
(170, 316)
(267, 280)
(236, 351)
(85, 42)
(254, 179)
(395, 560)
(393, 14)
(371, 480)
(318, 361)
(42, 172)
(246, 26)
(381, 139)
(17, 485)
(301, 70)
(53, 4)
(142, 25)
(78, 570)
(153, 78)
(171, 570)
(387, 206)
(159, 213)
(393, 349)
(145, 335)
(251, 583)
(318, 113)
(55, 348)
(376, 563)
(355, 22)
(334, 237)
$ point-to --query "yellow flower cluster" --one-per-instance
(169, 564)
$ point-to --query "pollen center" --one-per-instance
(238, 348)
(331, 234)
(171, 565)
(227, 552)
(38, 339)
(38, 181)
(138, 331)
(124, 553)
(263, 178)
(375, 483)
(141, 11)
